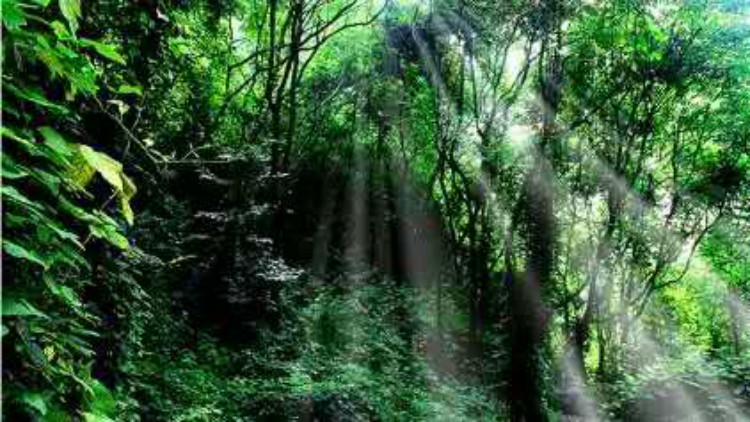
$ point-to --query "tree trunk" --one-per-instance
(528, 311)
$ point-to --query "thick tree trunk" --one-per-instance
(528, 311)
(527, 333)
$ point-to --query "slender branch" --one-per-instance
(128, 134)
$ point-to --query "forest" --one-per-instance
(375, 211)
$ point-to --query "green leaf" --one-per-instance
(128, 187)
(109, 233)
(55, 141)
(56, 414)
(71, 9)
(130, 89)
(76, 211)
(102, 402)
(11, 170)
(60, 30)
(29, 145)
(48, 180)
(17, 196)
(111, 171)
(65, 293)
(128, 191)
(18, 251)
(106, 50)
(36, 96)
(80, 172)
(107, 166)
(19, 307)
(93, 417)
(13, 16)
(126, 210)
(35, 401)
(62, 233)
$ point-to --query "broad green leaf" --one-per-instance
(11, 170)
(29, 145)
(61, 30)
(81, 172)
(55, 141)
(107, 166)
(106, 50)
(109, 233)
(130, 89)
(94, 417)
(71, 9)
(19, 307)
(76, 211)
(128, 191)
(35, 401)
(15, 195)
(126, 210)
(18, 251)
(56, 414)
(13, 16)
(111, 171)
(65, 293)
(69, 256)
(48, 180)
(35, 96)
(128, 187)
(102, 402)
(51, 56)
(11, 133)
(62, 233)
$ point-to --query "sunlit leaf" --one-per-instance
(13, 16)
(126, 210)
(94, 417)
(55, 141)
(108, 167)
(105, 50)
(102, 402)
(71, 9)
(17, 251)
(129, 190)
(11, 170)
(109, 233)
(130, 89)
(65, 293)
(36, 401)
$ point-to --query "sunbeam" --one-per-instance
(576, 396)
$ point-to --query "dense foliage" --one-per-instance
(349, 210)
